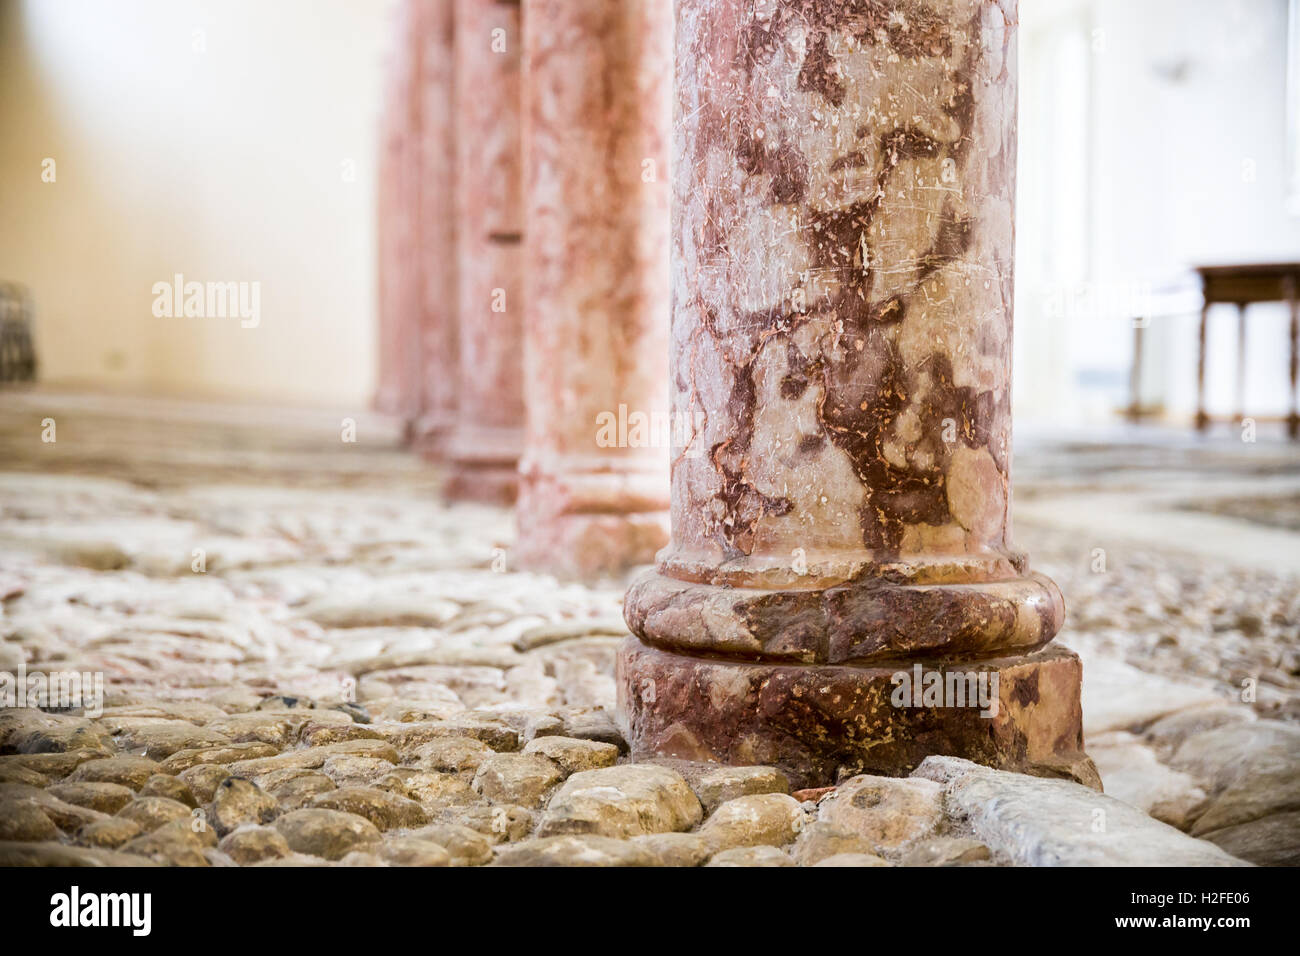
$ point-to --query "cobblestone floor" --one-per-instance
(307, 659)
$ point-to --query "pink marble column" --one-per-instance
(488, 437)
(398, 271)
(436, 225)
(844, 178)
(598, 112)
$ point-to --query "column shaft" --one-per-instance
(594, 492)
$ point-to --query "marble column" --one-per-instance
(593, 498)
(486, 442)
(398, 269)
(842, 268)
(439, 378)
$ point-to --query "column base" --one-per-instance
(483, 464)
(588, 547)
(431, 436)
(590, 521)
(820, 723)
(482, 484)
(866, 622)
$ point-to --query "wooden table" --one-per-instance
(1242, 285)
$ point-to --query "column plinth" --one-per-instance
(594, 493)
(842, 269)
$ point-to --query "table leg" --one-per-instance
(1135, 373)
(1293, 419)
(1201, 418)
(1241, 361)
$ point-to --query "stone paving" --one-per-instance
(308, 660)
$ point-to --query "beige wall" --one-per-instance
(210, 138)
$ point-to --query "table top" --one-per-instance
(1249, 269)
(1248, 282)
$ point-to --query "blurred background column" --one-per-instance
(398, 387)
(598, 112)
(436, 229)
(488, 435)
